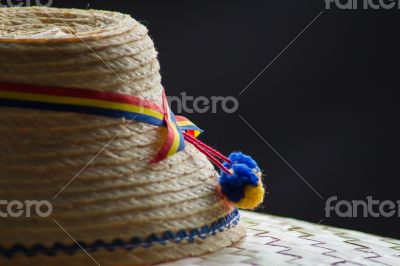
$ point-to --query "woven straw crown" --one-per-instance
(96, 169)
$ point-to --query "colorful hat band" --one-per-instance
(106, 104)
(203, 232)
(240, 180)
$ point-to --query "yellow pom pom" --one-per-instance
(253, 196)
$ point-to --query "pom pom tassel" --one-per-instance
(240, 181)
(242, 185)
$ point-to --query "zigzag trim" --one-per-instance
(205, 231)
(287, 251)
(351, 240)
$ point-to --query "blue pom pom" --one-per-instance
(233, 185)
(240, 158)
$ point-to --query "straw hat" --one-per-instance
(110, 203)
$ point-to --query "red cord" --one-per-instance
(197, 144)
(208, 148)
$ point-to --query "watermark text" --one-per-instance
(202, 104)
(20, 3)
(362, 208)
(362, 4)
(26, 208)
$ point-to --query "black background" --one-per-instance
(327, 104)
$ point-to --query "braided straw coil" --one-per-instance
(112, 192)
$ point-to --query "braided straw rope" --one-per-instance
(119, 194)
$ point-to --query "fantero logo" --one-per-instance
(26, 208)
(362, 208)
(362, 4)
(20, 3)
(202, 104)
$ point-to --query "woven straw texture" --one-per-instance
(272, 241)
(113, 192)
